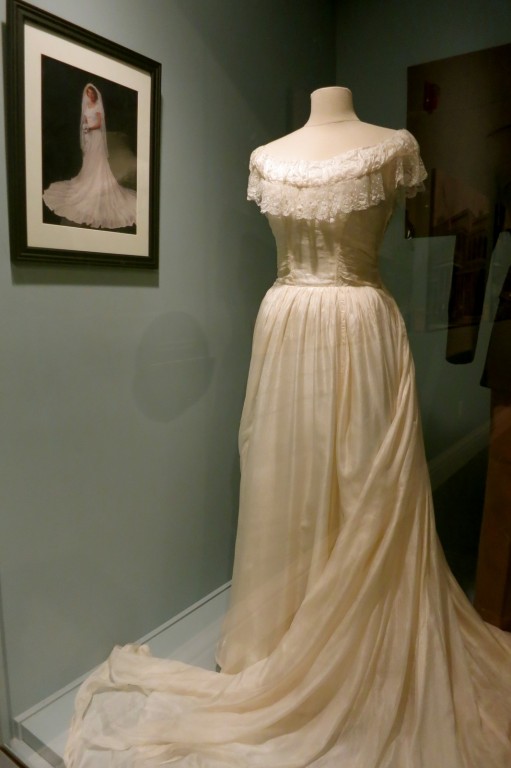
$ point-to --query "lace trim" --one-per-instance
(351, 181)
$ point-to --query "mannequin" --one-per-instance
(355, 647)
(258, 618)
(332, 129)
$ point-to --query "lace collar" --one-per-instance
(321, 189)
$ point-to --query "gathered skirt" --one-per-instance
(348, 643)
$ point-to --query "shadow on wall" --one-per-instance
(231, 30)
(45, 274)
(173, 368)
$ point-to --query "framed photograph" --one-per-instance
(83, 127)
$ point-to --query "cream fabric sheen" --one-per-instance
(348, 643)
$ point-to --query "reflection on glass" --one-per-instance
(460, 112)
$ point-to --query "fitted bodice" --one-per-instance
(329, 216)
(342, 252)
(91, 114)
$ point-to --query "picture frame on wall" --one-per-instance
(83, 132)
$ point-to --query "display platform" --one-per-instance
(191, 636)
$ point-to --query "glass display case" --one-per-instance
(122, 391)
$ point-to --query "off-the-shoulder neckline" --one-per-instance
(262, 153)
(351, 180)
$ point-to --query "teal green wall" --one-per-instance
(121, 393)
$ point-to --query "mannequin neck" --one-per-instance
(331, 105)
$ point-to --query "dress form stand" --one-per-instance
(493, 583)
(332, 129)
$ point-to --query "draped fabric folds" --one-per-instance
(348, 643)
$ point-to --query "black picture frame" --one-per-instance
(50, 62)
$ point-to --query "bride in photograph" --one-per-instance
(93, 198)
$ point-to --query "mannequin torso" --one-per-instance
(332, 129)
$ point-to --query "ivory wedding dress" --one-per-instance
(93, 197)
(349, 644)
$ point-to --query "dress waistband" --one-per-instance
(317, 282)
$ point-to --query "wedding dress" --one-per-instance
(93, 197)
(349, 643)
